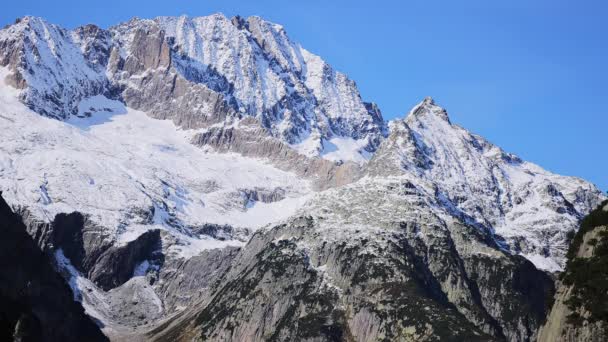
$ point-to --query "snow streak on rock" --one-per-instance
(241, 152)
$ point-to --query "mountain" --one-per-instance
(579, 312)
(35, 302)
(209, 178)
(217, 68)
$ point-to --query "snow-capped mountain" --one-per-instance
(214, 66)
(190, 162)
(517, 200)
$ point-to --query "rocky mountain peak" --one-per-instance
(428, 108)
(29, 21)
(46, 62)
(239, 22)
(246, 66)
(478, 181)
(242, 164)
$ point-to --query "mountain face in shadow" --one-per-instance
(35, 302)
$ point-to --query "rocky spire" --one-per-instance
(428, 107)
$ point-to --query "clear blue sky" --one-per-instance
(530, 76)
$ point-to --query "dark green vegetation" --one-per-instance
(35, 302)
(589, 276)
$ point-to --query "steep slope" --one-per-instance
(402, 269)
(529, 208)
(46, 62)
(294, 93)
(35, 302)
(580, 309)
(203, 70)
(208, 177)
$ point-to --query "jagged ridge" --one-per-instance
(419, 186)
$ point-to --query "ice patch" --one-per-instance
(194, 246)
(543, 263)
(141, 269)
(96, 110)
(118, 163)
(345, 149)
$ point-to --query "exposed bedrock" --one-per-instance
(91, 250)
(117, 264)
(35, 302)
(290, 283)
(251, 140)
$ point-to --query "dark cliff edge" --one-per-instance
(580, 311)
(35, 302)
(91, 250)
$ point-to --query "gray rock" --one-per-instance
(35, 302)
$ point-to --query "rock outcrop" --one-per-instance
(344, 273)
(209, 179)
(35, 302)
(580, 311)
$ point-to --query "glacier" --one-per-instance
(232, 141)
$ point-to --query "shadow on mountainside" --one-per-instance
(35, 302)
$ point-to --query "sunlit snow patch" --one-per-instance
(113, 164)
(344, 149)
(96, 110)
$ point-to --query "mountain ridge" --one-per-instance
(212, 156)
(164, 55)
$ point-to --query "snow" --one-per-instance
(263, 67)
(141, 269)
(337, 148)
(194, 246)
(213, 41)
(544, 263)
(96, 110)
(53, 66)
(115, 164)
(345, 149)
(336, 93)
(497, 190)
(93, 299)
(310, 145)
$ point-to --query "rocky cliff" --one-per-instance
(400, 271)
(580, 311)
(36, 304)
(208, 178)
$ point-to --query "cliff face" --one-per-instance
(351, 272)
(580, 311)
(213, 170)
(35, 302)
(195, 71)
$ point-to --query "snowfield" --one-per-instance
(114, 163)
(131, 173)
(220, 133)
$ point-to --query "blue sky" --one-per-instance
(530, 76)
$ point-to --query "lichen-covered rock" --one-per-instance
(579, 312)
(346, 274)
